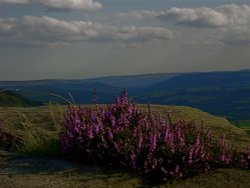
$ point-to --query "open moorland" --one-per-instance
(37, 161)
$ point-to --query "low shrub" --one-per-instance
(121, 134)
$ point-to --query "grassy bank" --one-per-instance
(39, 164)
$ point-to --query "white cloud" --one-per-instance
(200, 17)
(60, 4)
(232, 22)
(7, 25)
(47, 31)
(70, 4)
(136, 15)
(234, 35)
(208, 17)
(236, 14)
(14, 1)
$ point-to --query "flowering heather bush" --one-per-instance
(121, 134)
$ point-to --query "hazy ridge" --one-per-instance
(221, 93)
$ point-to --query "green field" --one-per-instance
(244, 123)
(39, 163)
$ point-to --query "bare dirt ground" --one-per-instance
(24, 172)
(42, 172)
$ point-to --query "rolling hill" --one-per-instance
(61, 90)
(221, 93)
(225, 94)
(8, 98)
(135, 81)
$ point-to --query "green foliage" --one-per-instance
(245, 123)
(39, 141)
(8, 98)
(34, 139)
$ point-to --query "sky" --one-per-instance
(78, 39)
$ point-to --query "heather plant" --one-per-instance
(155, 147)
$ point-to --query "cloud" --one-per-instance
(14, 1)
(236, 14)
(136, 15)
(70, 4)
(208, 17)
(47, 31)
(232, 22)
(59, 4)
(200, 17)
(235, 35)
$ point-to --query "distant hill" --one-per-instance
(62, 90)
(221, 93)
(8, 98)
(135, 81)
(82, 90)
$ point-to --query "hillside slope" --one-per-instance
(135, 81)
(222, 93)
(78, 91)
(8, 98)
(25, 171)
(45, 117)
